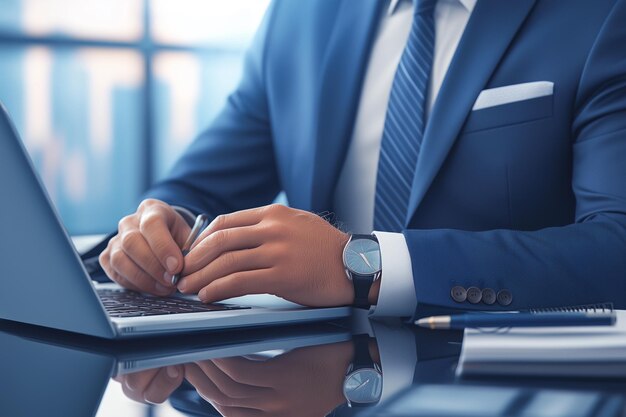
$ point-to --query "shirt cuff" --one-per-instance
(398, 356)
(397, 289)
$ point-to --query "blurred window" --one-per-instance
(107, 93)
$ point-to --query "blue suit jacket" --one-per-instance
(528, 196)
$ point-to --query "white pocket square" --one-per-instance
(512, 93)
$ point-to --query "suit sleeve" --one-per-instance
(231, 165)
(580, 263)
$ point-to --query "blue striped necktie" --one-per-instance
(405, 121)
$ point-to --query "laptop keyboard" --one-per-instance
(124, 303)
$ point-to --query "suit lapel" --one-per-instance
(342, 76)
(489, 32)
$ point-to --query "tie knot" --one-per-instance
(424, 7)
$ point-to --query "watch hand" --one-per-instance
(362, 384)
(365, 259)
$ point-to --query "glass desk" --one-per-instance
(305, 371)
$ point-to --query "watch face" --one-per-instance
(362, 256)
(363, 386)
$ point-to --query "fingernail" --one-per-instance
(167, 278)
(171, 263)
(172, 372)
(160, 288)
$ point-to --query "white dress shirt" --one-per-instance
(354, 195)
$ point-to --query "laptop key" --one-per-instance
(123, 303)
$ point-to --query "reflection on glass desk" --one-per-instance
(496, 401)
(304, 371)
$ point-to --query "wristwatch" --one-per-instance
(363, 385)
(361, 260)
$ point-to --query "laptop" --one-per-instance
(54, 373)
(44, 282)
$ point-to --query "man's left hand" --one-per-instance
(274, 249)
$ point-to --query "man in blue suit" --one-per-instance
(483, 142)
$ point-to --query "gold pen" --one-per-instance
(202, 221)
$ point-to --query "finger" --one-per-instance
(126, 283)
(231, 388)
(209, 248)
(259, 281)
(180, 230)
(175, 221)
(126, 268)
(158, 225)
(205, 387)
(137, 249)
(103, 259)
(241, 218)
(138, 381)
(134, 385)
(244, 371)
(106, 266)
(226, 264)
(163, 384)
(135, 396)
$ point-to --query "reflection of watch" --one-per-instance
(361, 259)
(363, 385)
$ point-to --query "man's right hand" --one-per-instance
(145, 253)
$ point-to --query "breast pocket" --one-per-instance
(509, 105)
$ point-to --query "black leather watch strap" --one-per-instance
(362, 285)
(362, 357)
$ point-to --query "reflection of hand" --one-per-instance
(274, 249)
(152, 386)
(304, 382)
(146, 251)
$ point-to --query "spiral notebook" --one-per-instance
(598, 351)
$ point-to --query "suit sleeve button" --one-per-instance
(474, 295)
(489, 296)
(458, 293)
(505, 297)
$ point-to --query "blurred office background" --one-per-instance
(107, 93)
